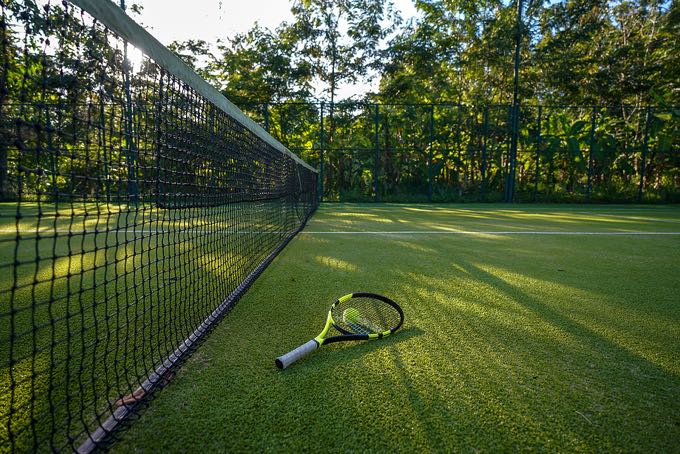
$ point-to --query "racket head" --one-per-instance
(367, 315)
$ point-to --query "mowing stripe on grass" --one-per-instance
(634, 218)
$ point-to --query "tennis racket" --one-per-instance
(357, 316)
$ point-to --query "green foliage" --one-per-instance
(621, 56)
(439, 73)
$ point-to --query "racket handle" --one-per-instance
(303, 350)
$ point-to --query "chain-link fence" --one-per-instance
(457, 153)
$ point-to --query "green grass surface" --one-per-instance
(513, 341)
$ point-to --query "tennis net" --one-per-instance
(137, 205)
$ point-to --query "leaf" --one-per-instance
(665, 116)
(573, 146)
(665, 143)
(577, 126)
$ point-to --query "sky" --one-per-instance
(210, 20)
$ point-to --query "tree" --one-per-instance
(261, 66)
(343, 38)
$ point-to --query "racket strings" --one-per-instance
(365, 316)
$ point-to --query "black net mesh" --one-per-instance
(133, 213)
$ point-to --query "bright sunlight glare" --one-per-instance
(135, 57)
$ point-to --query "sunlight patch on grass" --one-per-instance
(335, 263)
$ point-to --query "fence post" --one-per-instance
(485, 133)
(508, 156)
(512, 165)
(645, 146)
(158, 134)
(132, 189)
(429, 158)
(506, 164)
(322, 152)
(510, 184)
(265, 113)
(376, 155)
(460, 167)
(129, 137)
(538, 152)
(54, 155)
(593, 116)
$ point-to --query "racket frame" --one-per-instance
(321, 339)
(305, 349)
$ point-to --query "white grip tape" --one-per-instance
(294, 355)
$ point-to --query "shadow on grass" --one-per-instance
(536, 353)
(346, 352)
(588, 369)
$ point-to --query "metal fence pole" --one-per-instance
(429, 157)
(131, 149)
(538, 152)
(485, 133)
(508, 155)
(376, 155)
(54, 156)
(512, 167)
(322, 152)
(158, 136)
(265, 113)
(460, 167)
(593, 116)
(510, 184)
(645, 149)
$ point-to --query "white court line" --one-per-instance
(519, 208)
(483, 232)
